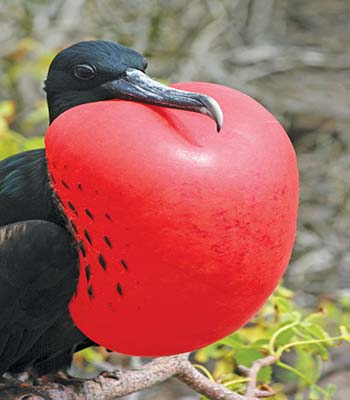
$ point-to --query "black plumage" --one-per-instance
(38, 270)
(39, 264)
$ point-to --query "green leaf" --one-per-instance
(316, 331)
(91, 354)
(284, 305)
(265, 375)
(345, 333)
(314, 393)
(233, 341)
(330, 389)
(308, 366)
(284, 337)
(259, 344)
(246, 356)
(312, 333)
(210, 352)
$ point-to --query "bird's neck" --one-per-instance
(58, 103)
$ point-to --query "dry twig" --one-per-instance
(252, 374)
(115, 384)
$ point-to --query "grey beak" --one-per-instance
(135, 85)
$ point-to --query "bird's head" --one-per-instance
(100, 70)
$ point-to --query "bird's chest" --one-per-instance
(182, 235)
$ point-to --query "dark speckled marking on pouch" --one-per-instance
(88, 213)
(123, 263)
(108, 242)
(65, 184)
(71, 206)
(102, 261)
(87, 236)
(82, 248)
(119, 289)
(90, 292)
(87, 272)
(74, 227)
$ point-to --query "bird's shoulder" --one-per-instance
(25, 191)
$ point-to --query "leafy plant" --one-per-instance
(298, 340)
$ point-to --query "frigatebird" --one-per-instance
(39, 263)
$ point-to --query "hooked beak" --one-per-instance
(137, 86)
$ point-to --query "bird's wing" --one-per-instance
(38, 276)
(25, 192)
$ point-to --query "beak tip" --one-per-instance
(214, 110)
(219, 119)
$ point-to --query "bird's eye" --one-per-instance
(84, 71)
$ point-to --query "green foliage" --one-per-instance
(12, 142)
(299, 341)
(29, 62)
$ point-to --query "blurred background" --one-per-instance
(291, 55)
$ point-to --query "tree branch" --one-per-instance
(116, 384)
(201, 384)
(252, 374)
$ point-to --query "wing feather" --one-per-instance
(38, 276)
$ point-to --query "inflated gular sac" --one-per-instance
(183, 232)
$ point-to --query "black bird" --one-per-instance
(39, 263)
